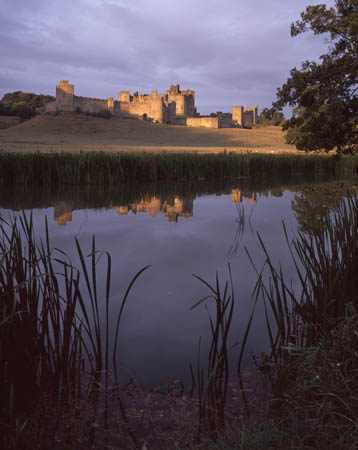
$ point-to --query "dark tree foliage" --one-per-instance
(270, 116)
(324, 94)
(3, 110)
(23, 104)
(23, 111)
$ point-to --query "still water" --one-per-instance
(178, 230)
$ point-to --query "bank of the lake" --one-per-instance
(106, 169)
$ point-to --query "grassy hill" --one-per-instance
(74, 133)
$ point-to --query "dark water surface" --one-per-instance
(178, 230)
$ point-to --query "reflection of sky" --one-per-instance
(159, 335)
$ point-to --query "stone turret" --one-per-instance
(65, 96)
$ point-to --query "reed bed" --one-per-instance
(106, 169)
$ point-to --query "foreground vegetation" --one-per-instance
(107, 169)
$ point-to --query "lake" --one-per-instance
(179, 230)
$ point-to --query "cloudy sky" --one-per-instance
(231, 52)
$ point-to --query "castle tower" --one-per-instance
(65, 96)
(238, 115)
(124, 96)
(184, 100)
(158, 109)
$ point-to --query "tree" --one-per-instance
(23, 111)
(3, 110)
(34, 101)
(270, 116)
(324, 94)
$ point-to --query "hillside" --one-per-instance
(74, 133)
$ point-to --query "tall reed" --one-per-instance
(212, 385)
(107, 169)
(50, 335)
(326, 265)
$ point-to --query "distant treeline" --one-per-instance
(23, 104)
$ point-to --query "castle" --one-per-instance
(175, 107)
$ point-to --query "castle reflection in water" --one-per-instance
(172, 208)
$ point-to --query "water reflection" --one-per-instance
(314, 201)
(62, 213)
(171, 207)
(179, 230)
(238, 196)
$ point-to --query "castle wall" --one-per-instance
(51, 107)
(180, 120)
(90, 105)
(225, 120)
(207, 122)
(252, 114)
